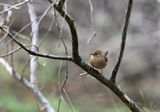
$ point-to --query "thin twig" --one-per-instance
(91, 11)
(56, 20)
(61, 88)
(129, 103)
(14, 6)
(91, 37)
(45, 13)
(123, 42)
(12, 58)
(92, 21)
(15, 34)
(96, 74)
(27, 84)
(25, 67)
(11, 52)
(3, 4)
(70, 21)
(61, 26)
(69, 58)
(70, 102)
(132, 105)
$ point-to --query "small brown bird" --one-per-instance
(99, 59)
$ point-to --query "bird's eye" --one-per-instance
(95, 53)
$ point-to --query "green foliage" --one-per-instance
(9, 102)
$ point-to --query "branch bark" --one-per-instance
(71, 24)
(46, 105)
(15, 6)
(34, 47)
(130, 104)
(12, 35)
(77, 59)
(124, 98)
(123, 42)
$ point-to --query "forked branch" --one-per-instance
(131, 105)
(43, 101)
(71, 24)
(77, 60)
(12, 36)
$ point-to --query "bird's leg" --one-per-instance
(101, 71)
(85, 73)
(82, 74)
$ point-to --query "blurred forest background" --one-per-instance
(139, 72)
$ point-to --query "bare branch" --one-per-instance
(91, 11)
(91, 37)
(60, 91)
(70, 21)
(44, 14)
(69, 58)
(131, 105)
(69, 100)
(61, 88)
(92, 21)
(14, 6)
(9, 53)
(27, 84)
(34, 47)
(77, 60)
(3, 4)
(61, 3)
(123, 42)
(90, 71)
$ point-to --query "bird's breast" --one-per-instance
(98, 62)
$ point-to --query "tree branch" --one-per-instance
(70, 21)
(94, 72)
(44, 102)
(77, 60)
(123, 42)
(124, 98)
(10, 53)
(12, 36)
(34, 47)
(14, 6)
(61, 3)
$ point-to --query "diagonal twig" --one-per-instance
(129, 103)
(46, 105)
(10, 53)
(14, 6)
(123, 42)
(76, 59)
(11, 35)
(124, 98)
(62, 86)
